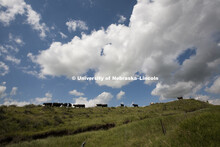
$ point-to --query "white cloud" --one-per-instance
(103, 98)
(11, 48)
(19, 7)
(173, 90)
(76, 93)
(10, 101)
(16, 39)
(157, 34)
(202, 97)
(13, 8)
(214, 101)
(63, 35)
(30, 56)
(2, 91)
(76, 24)
(4, 69)
(19, 41)
(34, 73)
(14, 102)
(206, 98)
(120, 95)
(33, 18)
(47, 98)
(3, 50)
(122, 19)
(13, 59)
(13, 91)
(215, 88)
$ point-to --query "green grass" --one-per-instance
(187, 123)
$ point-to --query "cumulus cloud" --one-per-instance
(2, 91)
(120, 95)
(202, 97)
(122, 19)
(13, 59)
(157, 34)
(46, 98)
(73, 25)
(207, 98)
(215, 88)
(13, 91)
(76, 93)
(4, 69)
(103, 98)
(215, 101)
(8, 100)
(15, 102)
(173, 90)
(14, 7)
(19, 7)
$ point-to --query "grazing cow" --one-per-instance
(57, 104)
(151, 103)
(48, 104)
(122, 105)
(180, 98)
(135, 105)
(101, 105)
(79, 105)
(67, 105)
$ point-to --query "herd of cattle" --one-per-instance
(83, 105)
(78, 105)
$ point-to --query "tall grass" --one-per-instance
(132, 126)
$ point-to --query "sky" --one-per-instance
(145, 51)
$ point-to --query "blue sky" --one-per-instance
(44, 43)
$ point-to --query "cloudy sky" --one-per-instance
(44, 44)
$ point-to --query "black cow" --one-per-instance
(101, 105)
(180, 98)
(48, 104)
(135, 105)
(122, 105)
(79, 105)
(67, 105)
(57, 104)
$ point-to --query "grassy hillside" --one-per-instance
(184, 122)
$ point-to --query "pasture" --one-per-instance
(178, 123)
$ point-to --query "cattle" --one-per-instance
(48, 104)
(67, 105)
(122, 105)
(79, 105)
(57, 104)
(151, 103)
(101, 105)
(135, 105)
(180, 98)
